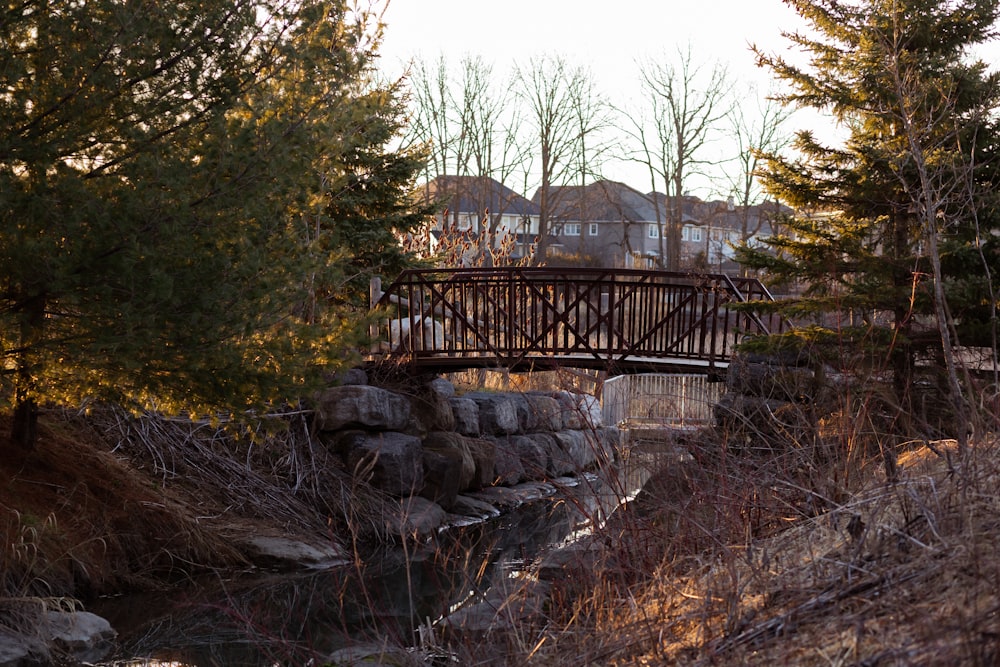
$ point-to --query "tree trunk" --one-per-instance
(24, 427)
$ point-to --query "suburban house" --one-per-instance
(604, 223)
(608, 223)
(480, 213)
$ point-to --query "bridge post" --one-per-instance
(604, 316)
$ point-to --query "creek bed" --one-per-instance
(267, 618)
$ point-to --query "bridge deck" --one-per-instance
(517, 318)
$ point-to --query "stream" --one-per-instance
(267, 618)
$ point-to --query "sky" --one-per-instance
(607, 37)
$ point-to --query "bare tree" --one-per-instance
(684, 104)
(470, 119)
(752, 131)
(432, 117)
(489, 116)
(562, 116)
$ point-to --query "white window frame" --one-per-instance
(685, 233)
(654, 232)
(696, 234)
(571, 229)
(594, 228)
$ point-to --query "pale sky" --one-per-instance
(606, 37)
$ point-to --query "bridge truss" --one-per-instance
(520, 318)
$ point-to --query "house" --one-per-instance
(605, 223)
(480, 213)
(608, 223)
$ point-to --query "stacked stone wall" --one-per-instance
(432, 444)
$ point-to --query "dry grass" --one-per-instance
(900, 573)
(803, 553)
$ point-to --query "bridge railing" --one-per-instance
(656, 400)
(516, 317)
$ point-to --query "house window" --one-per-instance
(696, 234)
(571, 229)
(654, 231)
(685, 234)
(593, 229)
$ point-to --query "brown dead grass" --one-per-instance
(80, 521)
(903, 573)
(723, 560)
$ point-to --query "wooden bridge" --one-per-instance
(618, 320)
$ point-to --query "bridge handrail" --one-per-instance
(586, 316)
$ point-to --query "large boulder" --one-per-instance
(526, 420)
(579, 449)
(497, 413)
(466, 414)
(413, 516)
(85, 636)
(546, 414)
(277, 552)
(484, 454)
(578, 411)
(431, 407)
(390, 461)
(508, 468)
(442, 476)
(454, 446)
(18, 650)
(535, 452)
(361, 405)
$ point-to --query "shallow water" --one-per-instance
(266, 619)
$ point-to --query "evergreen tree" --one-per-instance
(158, 163)
(371, 201)
(888, 243)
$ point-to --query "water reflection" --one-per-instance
(294, 618)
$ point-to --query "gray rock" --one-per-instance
(579, 449)
(535, 454)
(414, 516)
(578, 411)
(442, 387)
(444, 442)
(442, 477)
(356, 376)
(546, 413)
(431, 407)
(370, 654)
(22, 651)
(361, 405)
(484, 454)
(390, 461)
(526, 420)
(281, 552)
(497, 413)
(85, 636)
(475, 507)
(508, 468)
(508, 604)
(466, 413)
